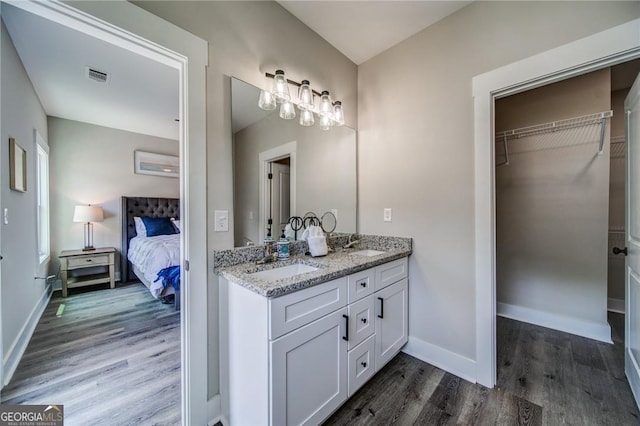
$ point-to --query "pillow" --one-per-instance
(158, 226)
(141, 231)
(177, 224)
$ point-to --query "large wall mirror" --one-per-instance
(312, 170)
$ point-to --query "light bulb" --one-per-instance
(280, 87)
(287, 110)
(326, 106)
(306, 118)
(305, 96)
(325, 122)
(266, 101)
(338, 116)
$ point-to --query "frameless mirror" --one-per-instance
(282, 169)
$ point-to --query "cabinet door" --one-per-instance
(309, 371)
(391, 321)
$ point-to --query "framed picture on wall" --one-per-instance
(17, 166)
(149, 163)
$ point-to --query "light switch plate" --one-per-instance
(221, 220)
(6, 216)
(387, 215)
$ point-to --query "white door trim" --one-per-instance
(264, 158)
(615, 45)
(132, 28)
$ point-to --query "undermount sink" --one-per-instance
(367, 252)
(284, 272)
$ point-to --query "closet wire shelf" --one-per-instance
(554, 126)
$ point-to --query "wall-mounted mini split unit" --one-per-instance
(97, 75)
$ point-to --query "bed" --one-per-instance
(142, 258)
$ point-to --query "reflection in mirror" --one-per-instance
(312, 170)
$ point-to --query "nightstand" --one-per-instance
(73, 260)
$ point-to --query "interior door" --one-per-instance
(632, 274)
(280, 198)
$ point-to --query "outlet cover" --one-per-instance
(387, 215)
(221, 221)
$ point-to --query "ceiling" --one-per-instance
(363, 29)
(56, 59)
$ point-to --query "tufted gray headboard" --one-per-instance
(141, 206)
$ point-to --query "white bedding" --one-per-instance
(151, 254)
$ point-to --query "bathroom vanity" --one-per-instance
(300, 337)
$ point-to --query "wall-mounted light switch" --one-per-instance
(387, 215)
(6, 216)
(221, 220)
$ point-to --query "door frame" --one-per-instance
(132, 28)
(264, 158)
(610, 47)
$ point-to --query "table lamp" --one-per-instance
(88, 214)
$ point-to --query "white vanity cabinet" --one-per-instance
(296, 358)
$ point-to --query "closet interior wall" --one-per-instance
(552, 209)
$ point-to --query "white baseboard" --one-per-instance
(616, 305)
(444, 359)
(579, 327)
(19, 345)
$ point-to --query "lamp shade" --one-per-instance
(88, 214)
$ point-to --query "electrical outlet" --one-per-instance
(6, 216)
(387, 215)
(221, 221)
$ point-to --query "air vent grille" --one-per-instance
(97, 75)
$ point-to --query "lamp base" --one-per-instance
(88, 248)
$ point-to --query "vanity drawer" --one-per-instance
(391, 272)
(361, 320)
(361, 284)
(85, 261)
(360, 364)
(296, 309)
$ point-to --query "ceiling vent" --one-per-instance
(97, 75)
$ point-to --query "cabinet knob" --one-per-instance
(88, 260)
(363, 284)
(364, 320)
(363, 364)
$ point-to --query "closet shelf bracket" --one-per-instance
(603, 124)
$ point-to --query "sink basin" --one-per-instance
(284, 272)
(367, 252)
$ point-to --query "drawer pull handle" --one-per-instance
(363, 284)
(364, 320)
(346, 337)
(363, 364)
(381, 307)
(89, 260)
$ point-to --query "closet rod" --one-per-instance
(553, 126)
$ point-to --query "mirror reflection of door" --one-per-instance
(278, 195)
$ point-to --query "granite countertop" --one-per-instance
(334, 265)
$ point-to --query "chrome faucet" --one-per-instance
(269, 254)
(350, 242)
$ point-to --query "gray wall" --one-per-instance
(247, 39)
(415, 123)
(21, 114)
(94, 165)
(326, 171)
(552, 203)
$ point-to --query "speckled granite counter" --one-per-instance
(238, 264)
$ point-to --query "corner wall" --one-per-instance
(22, 296)
(92, 164)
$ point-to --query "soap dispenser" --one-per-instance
(283, 247)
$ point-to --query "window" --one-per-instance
(42, 198)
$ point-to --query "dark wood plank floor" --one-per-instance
(112, 358)
(545, 377)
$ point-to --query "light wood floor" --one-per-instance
(545, 377)
(112, 358)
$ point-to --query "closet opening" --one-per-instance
(560, 168)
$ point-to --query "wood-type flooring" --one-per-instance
(545, 377)
(112, 358)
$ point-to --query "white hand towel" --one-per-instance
(318, 246)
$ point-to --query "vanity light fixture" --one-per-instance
(329, 113)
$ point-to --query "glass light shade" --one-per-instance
(305, 96)
(325, 122)
(338, 116)
(280, 87)
(267, 101)
(306, 118)
(287, 110)
(326, 106)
